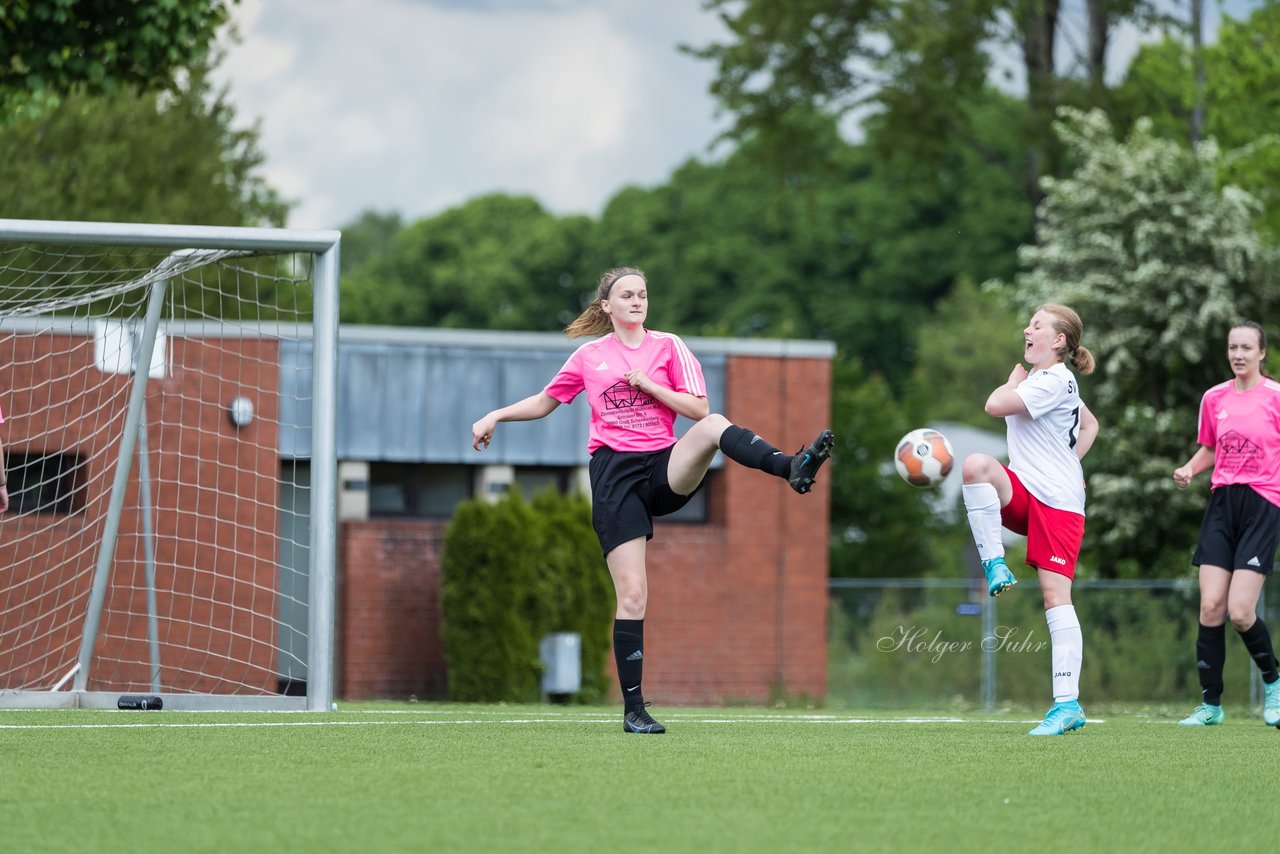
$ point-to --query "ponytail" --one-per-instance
(1082, 360)
(1066, 321)
(593, 321)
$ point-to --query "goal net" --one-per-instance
(168, 404)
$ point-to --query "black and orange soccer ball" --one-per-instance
(924, 457)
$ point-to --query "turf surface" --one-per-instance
(382, 777)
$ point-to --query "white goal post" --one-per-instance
(169, 403)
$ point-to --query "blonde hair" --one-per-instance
(1071, 326)
(593, 321)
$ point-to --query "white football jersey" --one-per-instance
(1042, 444)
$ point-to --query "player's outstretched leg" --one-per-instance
(1061, 719)
(638, 720)
(807, 461)
(746, 448)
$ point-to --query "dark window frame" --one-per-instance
(45, 482)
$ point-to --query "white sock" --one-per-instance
(983, 505)
(1068, 651)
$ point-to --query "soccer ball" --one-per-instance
(924, 457)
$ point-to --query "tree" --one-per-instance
(56, 47)
(495, 262)
(514, 572)
(132, 157)
(370, 235)
(880, 527)
(1240, 105)
(1160, 261)
(919, 61)
(138, 157)
(855, 249)
(965, 349)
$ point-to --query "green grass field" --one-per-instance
(401, 777)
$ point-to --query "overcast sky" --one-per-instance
(418, 105)
(415, 106)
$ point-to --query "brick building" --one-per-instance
(738, 587)
(738, 592)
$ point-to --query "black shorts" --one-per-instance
(1239, 530)
(628, 489)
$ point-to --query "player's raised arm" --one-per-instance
(532, 408)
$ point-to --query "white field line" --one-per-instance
(565, 718)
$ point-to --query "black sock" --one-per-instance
(1211, 654)
(746, 448)
(628, 653)
(1258, 641)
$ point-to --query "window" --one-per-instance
(535, 479)
(42, 482)
(426, 491)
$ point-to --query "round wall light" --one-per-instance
(241, 411)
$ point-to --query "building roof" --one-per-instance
(411, 395)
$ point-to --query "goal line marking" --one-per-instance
(517, 721)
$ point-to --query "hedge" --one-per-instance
(513, 572)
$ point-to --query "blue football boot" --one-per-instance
(1204, 715)
(1271, 705)
(999, 578)
(1061, 719)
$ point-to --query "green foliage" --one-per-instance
(805, 55)
(496, 262)
(915, 64)
(881, 526)
(488, 598)
(134, 157)
(917, 61)
(1159, 262)
(855, 251)
(936, 61)
(513, 572)
(1244, 107)
(892, 648)
(138, 157)
(575, 593)
(965, 349)
(1241, 101)
(852, 247)
(367, 237)
(56, 47)
(1159, 86)
(1142, 223)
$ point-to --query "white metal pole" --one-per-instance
(324, 478)
(111, 529)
